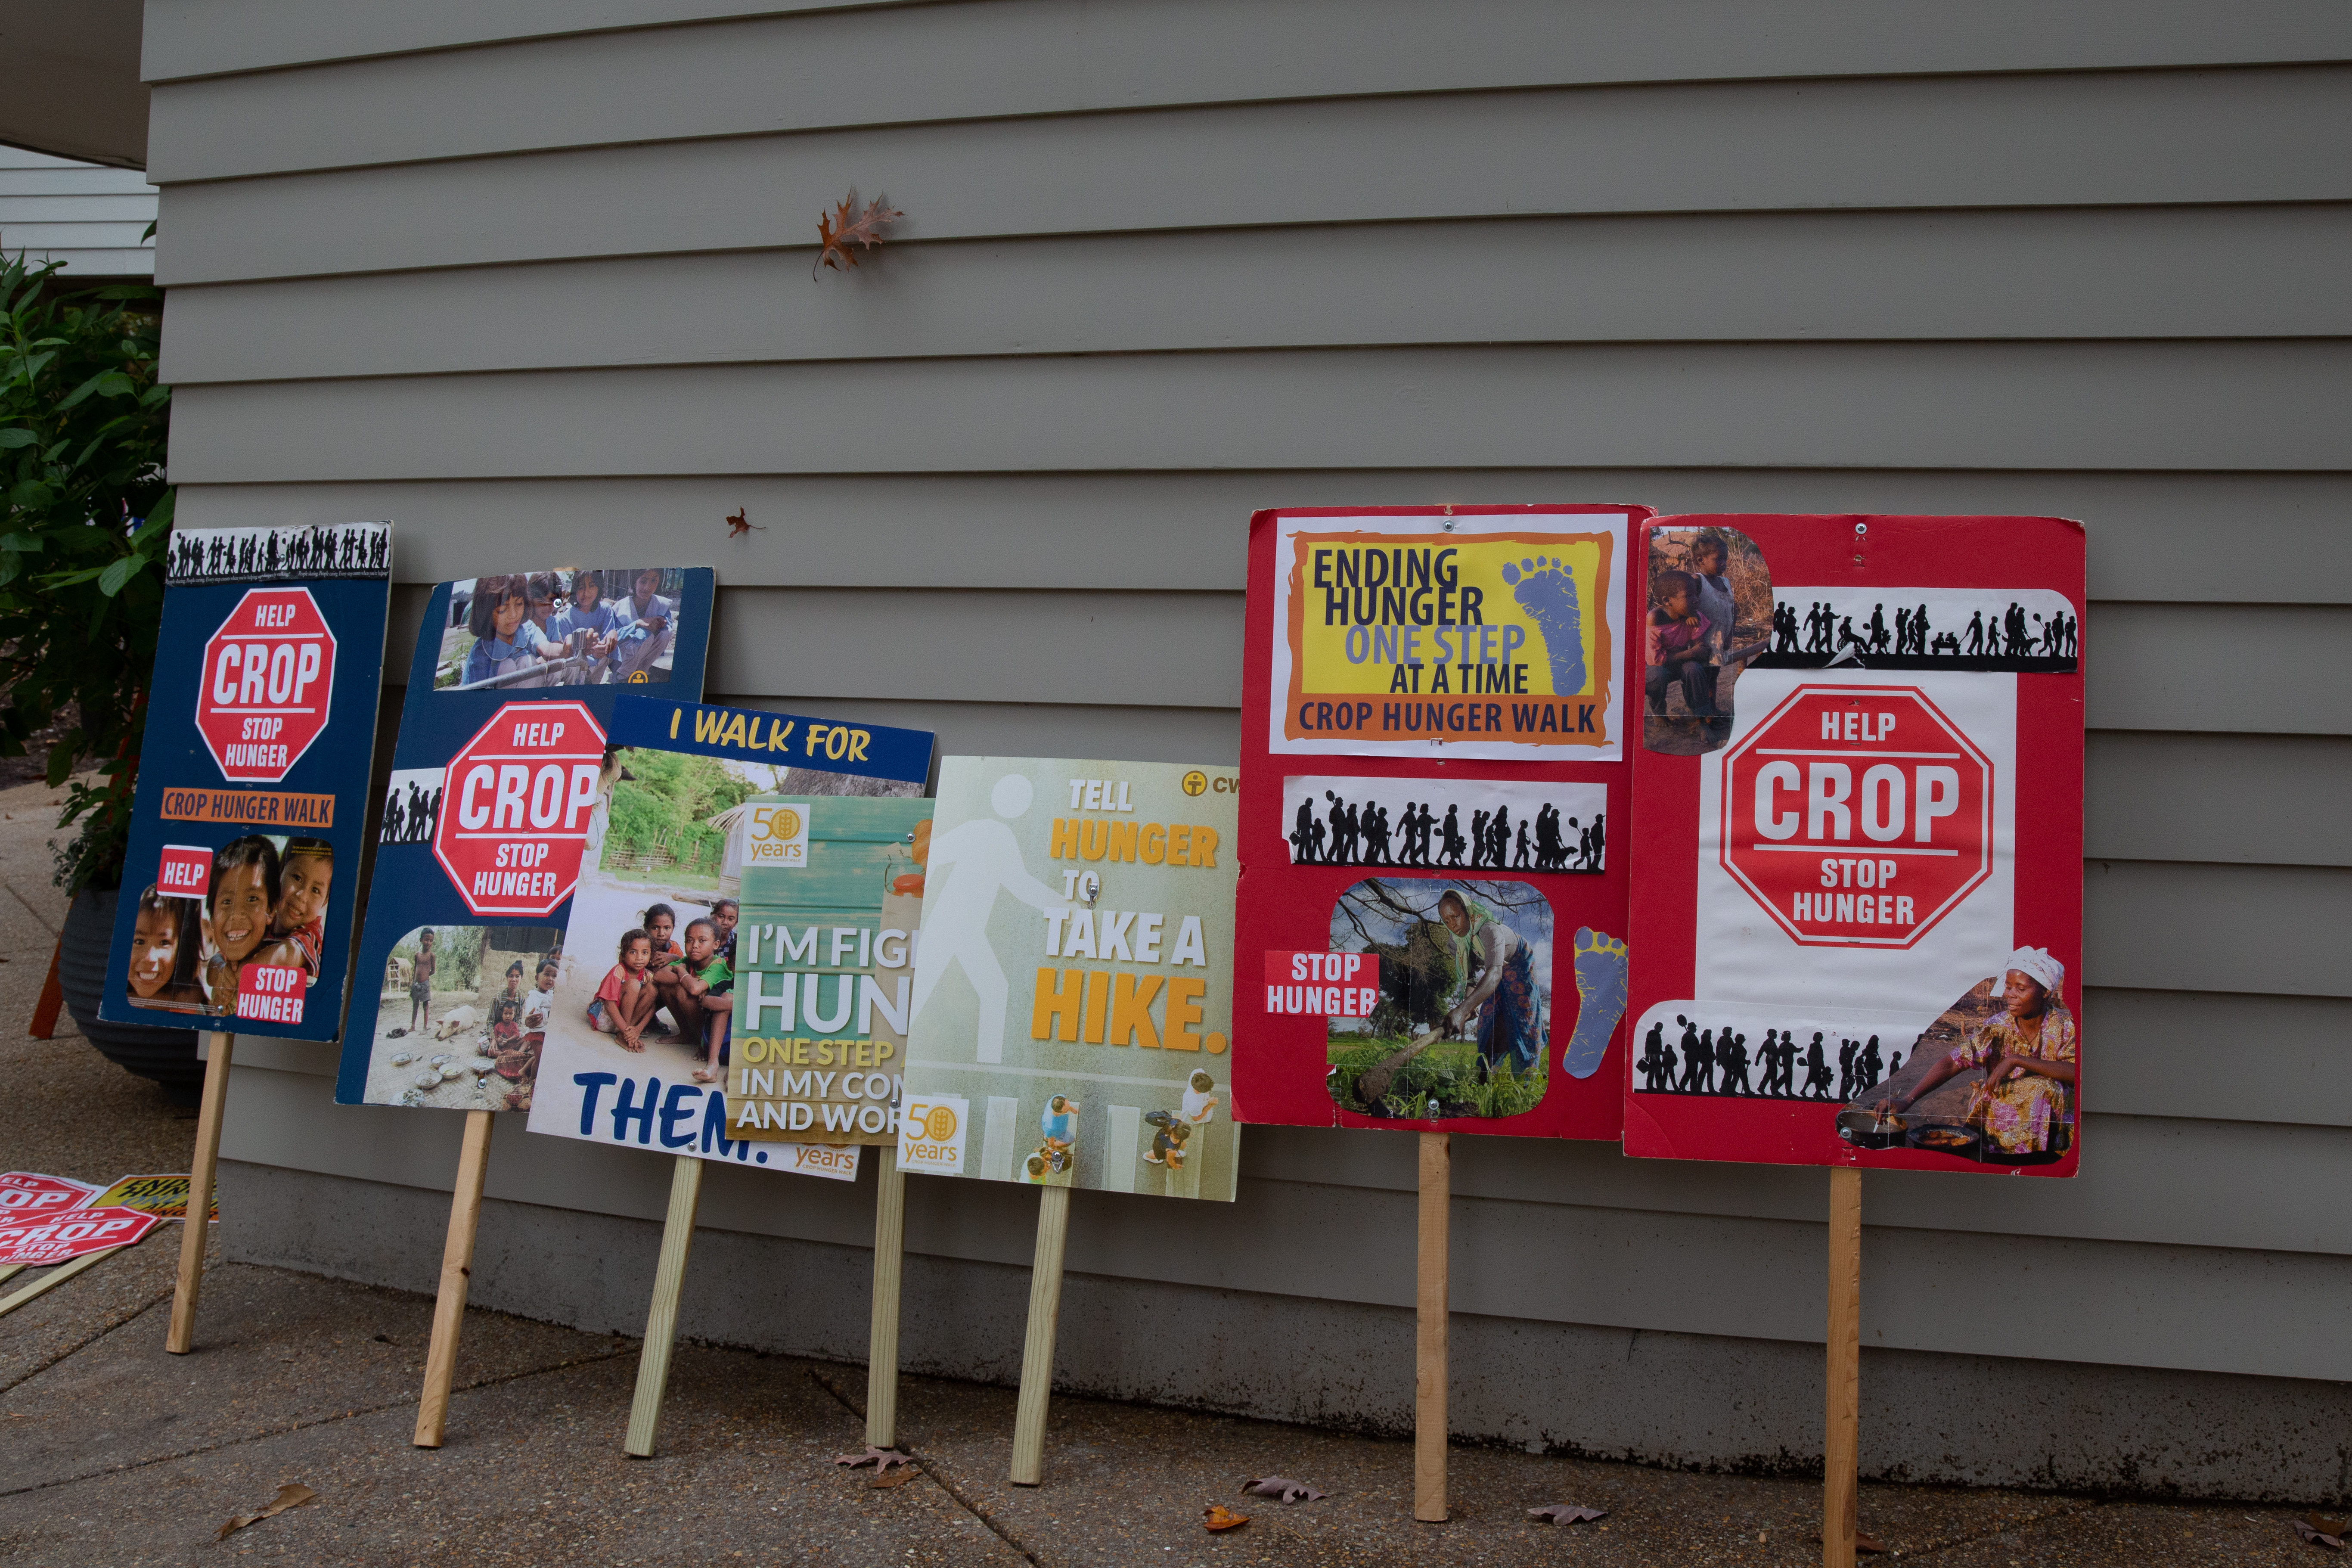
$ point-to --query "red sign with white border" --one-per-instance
(25, 1193)
(38, 1241)
(267, 686)
(1774, 1021)
(186, 871)
(514, 827)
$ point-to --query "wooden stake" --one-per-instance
(1841, 1450)
(181, 1337)
(1429, 1331)
(456, 1270)
(882, 1339)
(58, 1276)
(1038, 1349)
(661, 1318)
(10, 1271)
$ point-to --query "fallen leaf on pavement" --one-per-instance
(1284, 1488)
(293, 1494)
(888, 1479)
(1565, 1514)
(2307, 1527)
(880, 1458)
(1217, 1516)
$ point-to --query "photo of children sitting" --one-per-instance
(565, 627)
(1710, 615)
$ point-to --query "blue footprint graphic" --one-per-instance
(1547, 591)
(1601, 982)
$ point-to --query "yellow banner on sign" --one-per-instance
(1503, 636)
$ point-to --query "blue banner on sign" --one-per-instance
(779, 740)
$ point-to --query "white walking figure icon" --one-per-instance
(968, 866)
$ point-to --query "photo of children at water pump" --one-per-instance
(461, 1017)
(563, 626)
(1462, 1021)
(1446, 824)
(1992, 1079)
(264, 903)
(1710, 615)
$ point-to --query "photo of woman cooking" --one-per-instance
(1992, 1079)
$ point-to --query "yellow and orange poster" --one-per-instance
(1484, 634)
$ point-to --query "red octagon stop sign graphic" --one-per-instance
(1858, 815)
(520, 793)
(268, 674)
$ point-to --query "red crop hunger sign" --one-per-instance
(1858, 815)
(268, 674)
(519, 795)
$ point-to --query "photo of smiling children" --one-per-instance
(568, 627)
(166, 947)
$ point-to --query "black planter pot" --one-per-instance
(167, 1056)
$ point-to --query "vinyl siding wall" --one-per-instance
(533, 279)
(91, 218)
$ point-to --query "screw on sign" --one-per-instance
(270, 672)
(53, 1238)
(1859, 816)
(521, 792)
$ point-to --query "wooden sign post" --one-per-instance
(882, 1341)
(181, 1337)
(456, 1271)
(661, 1317)
(1841, 1449)
(1037, 1347)
(1429, 1330)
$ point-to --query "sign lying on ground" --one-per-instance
(37, 1241)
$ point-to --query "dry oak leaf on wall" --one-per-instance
(845, 227)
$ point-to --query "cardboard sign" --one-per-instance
(500, 787)
(825, 969)
(164, 1197)
(1858, 928)
(39, 1240)
(27, 1194)
(268, 670)
(643, 1028)
(1074, 986)
(1432, 929)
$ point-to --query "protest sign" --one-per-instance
(506, 721)
(27, 1193)
(1433, 920)
(1074, 980)
(39, 1240)
(253, 782)
(1858, 931)
(731, 856)
(164, 1197)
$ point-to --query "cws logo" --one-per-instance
(778, 836)
(931, 1133)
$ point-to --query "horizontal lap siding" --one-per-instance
(1189, 260)
(2023, 140)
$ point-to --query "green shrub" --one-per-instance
(83, 423)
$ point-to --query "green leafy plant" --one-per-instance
(83, 425)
